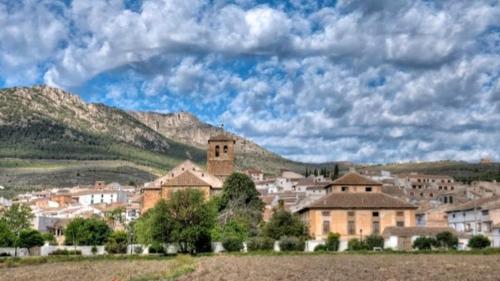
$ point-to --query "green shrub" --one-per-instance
(356, 245)
(446, 240)
(117, 243)
(138, 250)
(260, 244)
(374, 241)
(65, 252)
(320, 248)
(479, 242)
(424, 243)
(156, 248)
(332, 242)
(291, 243)
(232, 244)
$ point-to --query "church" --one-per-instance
(188, 175)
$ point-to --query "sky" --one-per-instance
(368, 81)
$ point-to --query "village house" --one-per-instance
(255, 174)
(355, 206)
(402, 238)
(187, 175)
(475, 217)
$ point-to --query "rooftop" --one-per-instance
(336, 200)
(221, 137)
(186, 179)
(353, 178)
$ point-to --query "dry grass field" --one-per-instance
(266, 268)
(347, 267)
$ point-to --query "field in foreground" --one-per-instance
(348, 267)
(242, 268)
(102, 269)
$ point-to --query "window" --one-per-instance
(325, 213)
(375, 214)
(400, 223)
(345, 188)
(400, 213)
(368, 189)
(445, 199)
(375, 227)
(217, 151)
(351, 227)
(225, 149)
(326, 227)
(467, 227)
(350, 214)
(485, 212)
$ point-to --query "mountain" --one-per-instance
(49, 137)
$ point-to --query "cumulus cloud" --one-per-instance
(368, 81)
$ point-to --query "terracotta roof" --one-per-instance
(353, 178)
(186, 179)
(338, 200)
(478, 204)
(415, 231)
(221, 137)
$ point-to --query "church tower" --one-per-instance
(220, 156)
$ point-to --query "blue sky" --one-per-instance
(365, 81)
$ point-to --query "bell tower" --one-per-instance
(220, 156)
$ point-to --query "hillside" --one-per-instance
(42, 123)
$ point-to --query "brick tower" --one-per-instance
(220, 156)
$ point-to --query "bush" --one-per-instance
(332, 242)
(284, 223)
(374, 241)
(232, 244)
(260, 244)
(65, 252)
(156, 248)
(447, 240)
(356, 245)
(479, 242)
(138, 250)
(291, 243)
(321, 248)
(93, 250)
(424, 243)
(117, 243)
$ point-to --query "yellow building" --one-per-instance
(355, 206)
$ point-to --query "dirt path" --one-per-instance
(347, 267)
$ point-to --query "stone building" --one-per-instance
(187, 175)
(355, 206)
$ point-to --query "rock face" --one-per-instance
(186, 128)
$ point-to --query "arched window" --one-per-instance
(217, 151)
(225, 149)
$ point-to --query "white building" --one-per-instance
(100, 196)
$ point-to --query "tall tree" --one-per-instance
(87, 232)
(240, 200)
(17, 217)
(7, 237)
(193, 220)
(29, 238)
(335, 172)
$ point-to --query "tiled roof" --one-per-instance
(415, 231)
(353, 178)
(337, 200)
(186, 179)
(479, 203)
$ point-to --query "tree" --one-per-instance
(446, 240)
(161, 224)
(284, 223)
(374, 241)
(29, 238)
(7, 237)
(479, 242)
(142, 228)
(424, 243)
(193, 220)
(117, 243)
(240, 200)
(87, 232)
(335, 172)
(49, 237)
(18, 217)
(332, 242)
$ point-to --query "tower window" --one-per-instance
(217, 151)
(225, 149)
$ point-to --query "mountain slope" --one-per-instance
(48, 123)
(186, 128)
